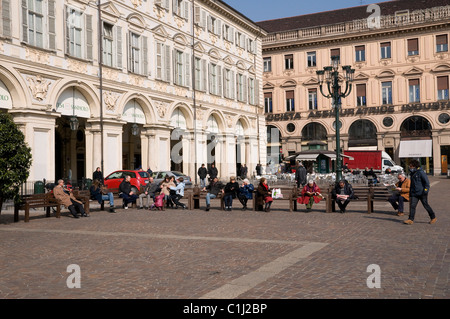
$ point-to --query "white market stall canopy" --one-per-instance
(416, 148)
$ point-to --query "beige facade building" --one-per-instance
(399, 101)
(177, 84)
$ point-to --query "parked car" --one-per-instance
(160, 175)
(138, 179)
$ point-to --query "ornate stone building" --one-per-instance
(399, 101)
(177, 84)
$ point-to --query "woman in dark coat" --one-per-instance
(263, 195)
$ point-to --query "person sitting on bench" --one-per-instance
(126, 193)
(342, 194)
(310, 195)
(99, 193)
(65, 197)
(401, 195)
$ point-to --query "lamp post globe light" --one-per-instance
(330, 77)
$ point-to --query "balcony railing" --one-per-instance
(416, 17)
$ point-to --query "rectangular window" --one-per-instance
(75, 23)
(414, 91)
(251, 46)
(38, 22)
(361, 95)
(135, 50)
(214, 25)
(181, 8)
(228, 32)
(241, 87)
(215, 79)
(267, 64)
(360, 52)
(335, 53)
(108, 41)
(198, 74)
(385, 50)
(442, 87)
(441, 43)
(311, 57)
(289, 62)
(163, 65)
(386, 93)
(312, 99)
(290, 105)
(413, 46)
(228, 83)
(251, 91)
(182, 68)
(268, 108)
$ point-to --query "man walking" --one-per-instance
(300, 175)
(420, 187)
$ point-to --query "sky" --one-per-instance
(260, 10)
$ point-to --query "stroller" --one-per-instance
(159, 202)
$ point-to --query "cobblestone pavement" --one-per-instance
(181, 254)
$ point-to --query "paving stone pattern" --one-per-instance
(182, 254)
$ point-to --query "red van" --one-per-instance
(139, 179)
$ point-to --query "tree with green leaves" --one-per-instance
(15, 159)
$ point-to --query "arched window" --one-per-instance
(415, 126)
(362, 133)
(314, 132)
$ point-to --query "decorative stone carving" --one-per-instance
(37, 56)
(179, 22)
(198, 30)
(161, 108)
(200, 114)
(136, 3)
(160, 12)
(110, 99)
(213, 38)
(229, 120)
(76, 66)
(39, 87)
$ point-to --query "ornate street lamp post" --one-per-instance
(330, 75)
(73, 119)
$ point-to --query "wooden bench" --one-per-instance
(115, 192)
(361, 193)
(195, 195)
(46, 200)
(289, 193)
(379, 194)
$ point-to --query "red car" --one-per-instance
(139, 179)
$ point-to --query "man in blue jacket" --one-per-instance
(420, 186)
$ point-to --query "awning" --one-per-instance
(416, 148)
(307, 157)
(313, 156)
(333, 156)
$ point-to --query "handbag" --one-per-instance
(276, 193)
